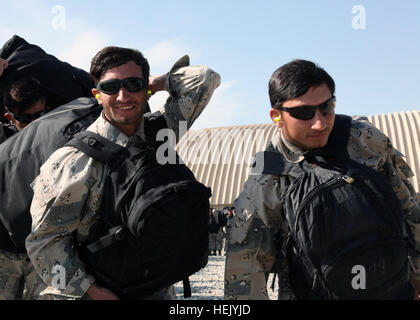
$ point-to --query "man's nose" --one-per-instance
(122, 94)
(318, 121)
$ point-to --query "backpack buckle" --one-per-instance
(348, 179)
(119, 234)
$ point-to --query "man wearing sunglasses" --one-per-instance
(68, 191)
(303, 109)
(24, 101)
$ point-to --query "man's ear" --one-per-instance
(275, 116)
(97, 95)
(9, 117)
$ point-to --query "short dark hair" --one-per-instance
(23, 94)
(294, 79)
(111, 57)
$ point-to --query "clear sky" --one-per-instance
(370, 47)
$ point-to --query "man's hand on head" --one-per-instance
(156, 83)
(3, 66)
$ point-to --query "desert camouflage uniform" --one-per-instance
(68, 191)
(258, 218)
(18, 278)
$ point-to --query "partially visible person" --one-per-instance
(25, 100)
(216, 234)
(213, 231)
(229, 212)
(31, 81)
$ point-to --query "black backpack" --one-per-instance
(153, 226)
(347, 234)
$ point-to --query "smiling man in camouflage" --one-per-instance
(68, 191)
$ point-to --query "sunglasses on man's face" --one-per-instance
(28, 117)
(308, 112)
(113, 86)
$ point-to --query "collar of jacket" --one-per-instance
(291, 152)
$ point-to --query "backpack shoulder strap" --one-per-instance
(337, 142)
(273, 162)
(153, 122)
(98, 147)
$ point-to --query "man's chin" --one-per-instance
(316, 145)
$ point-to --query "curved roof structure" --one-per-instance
(221, 157)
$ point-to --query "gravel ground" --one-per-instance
(208, 283)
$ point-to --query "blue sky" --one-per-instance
(376, 69)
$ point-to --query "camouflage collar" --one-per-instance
(291, 152)
(104, 128)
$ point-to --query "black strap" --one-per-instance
(153, 122)
(338, 139)
(269, 162)
(83, 121)
(98, 147)
(187, 287)
(115, 234)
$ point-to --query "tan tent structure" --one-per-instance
(221, 157)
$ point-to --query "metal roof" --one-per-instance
(221, 157)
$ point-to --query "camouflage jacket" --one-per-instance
(259, 217)
(68, 190)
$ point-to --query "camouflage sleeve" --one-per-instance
(190, 89)
(60, 199)
(251, 251)
(399, 173)
(392, 164)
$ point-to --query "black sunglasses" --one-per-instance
(29, 117)
(308, 112)
(113, 86)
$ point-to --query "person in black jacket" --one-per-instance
(28, 84)
(24, 100)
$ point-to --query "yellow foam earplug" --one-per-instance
(149, 92)
(277, 119)
(97, 96)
